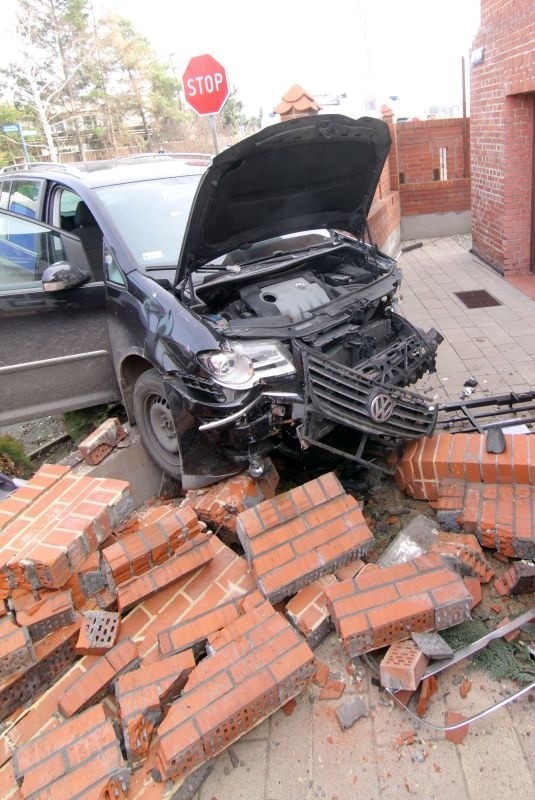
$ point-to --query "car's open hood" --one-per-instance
(304, 174)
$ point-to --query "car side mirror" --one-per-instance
(62, 275)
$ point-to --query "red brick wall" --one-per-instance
(419, 146)
(502, 113)
(384, 216)
(415, 153)
(433, 197)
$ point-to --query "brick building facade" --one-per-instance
(503, 136)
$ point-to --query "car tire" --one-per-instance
(155, 422)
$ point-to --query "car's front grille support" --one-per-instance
(357, 456)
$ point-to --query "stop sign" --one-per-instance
(205, 85)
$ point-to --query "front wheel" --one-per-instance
(155, 422)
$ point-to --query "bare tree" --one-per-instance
(43, 78)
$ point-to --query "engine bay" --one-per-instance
(293, 292)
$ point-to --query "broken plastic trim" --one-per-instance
(479, 644)
(476, 414)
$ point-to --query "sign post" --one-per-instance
(206, 88)
(16, 128)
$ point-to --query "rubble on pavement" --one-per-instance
(149, 632)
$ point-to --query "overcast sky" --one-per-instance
(408, 48)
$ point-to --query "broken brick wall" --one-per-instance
(422, 190)
(411, 182)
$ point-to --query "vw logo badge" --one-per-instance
(380, 407)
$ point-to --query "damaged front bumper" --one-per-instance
(218, 439)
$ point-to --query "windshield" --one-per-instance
(151, 215)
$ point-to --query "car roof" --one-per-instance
(120, 170)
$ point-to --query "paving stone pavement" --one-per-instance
(305, 756)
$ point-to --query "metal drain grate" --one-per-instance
(477, 298)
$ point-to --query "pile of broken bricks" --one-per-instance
(135, 647)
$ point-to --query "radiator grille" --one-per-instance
(346, 395)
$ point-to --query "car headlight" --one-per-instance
(246, 363)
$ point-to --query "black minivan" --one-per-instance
(232, 306)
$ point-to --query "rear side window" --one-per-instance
(5, 189)
(24, 197)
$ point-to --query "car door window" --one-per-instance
(25, 197)
(26, 249)
(68, 202)
(71, 213)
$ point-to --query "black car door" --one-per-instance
(54, 346)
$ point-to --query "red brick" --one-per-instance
(82, 753)
(463, 553)
(16, 648)
(474, 446)
(353, 627)
(465, 688)
(474, 587)
(53, 611)
(373, 617)
(349, 571)
(181, 751)
(428, 688)
(288, 667)
(45, 477)
(397, 620)
(43, 712)
(94, 683)
(456, 735)
(332, 690)
(195, 630)
(225, 577)
(363, 600)
(404, 475)
(168, 675)
(219, 505)
(52, 655)
(423, 465)
(260, 655)
(188, 557)
(501, 517)
(321, 675)
(98, 632)
(520, 446)
(150, 545)
(403, 666)
(101, 441)
(434, 579)
(372, 575)
(139, 714)
(245, 624)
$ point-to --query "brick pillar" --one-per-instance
(393, 164)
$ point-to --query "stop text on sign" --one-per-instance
(205, 84)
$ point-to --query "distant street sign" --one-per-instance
(10, 128)
(205, 85)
